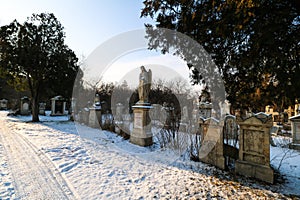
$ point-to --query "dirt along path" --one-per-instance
(34, 175)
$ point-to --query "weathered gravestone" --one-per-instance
(58, 106)
(254, 147)
(119, 112)
(211, 150)
(73, 110)
(24, 109)
(95, 113)
(42, 108)
(295, 121)
(3, 104)
(141, 133)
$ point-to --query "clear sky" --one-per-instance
(89, 23)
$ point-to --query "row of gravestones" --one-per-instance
(252, 154)
(58, 106)
(92, 115)
(253, 151)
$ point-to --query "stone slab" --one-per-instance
(260, 172)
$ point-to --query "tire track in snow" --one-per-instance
(35, 176)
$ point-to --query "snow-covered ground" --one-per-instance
(56, 159)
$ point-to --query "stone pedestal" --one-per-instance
(295, 122)
(211, 150)
(141, 133)
(95, 117)
(254, 147)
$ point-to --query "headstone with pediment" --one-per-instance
(24, 109)
(58, 106)
(295, 122)
(254, 147)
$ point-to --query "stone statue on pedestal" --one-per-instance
(144, 85)
(141, 133)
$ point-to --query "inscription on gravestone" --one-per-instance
(138, 121)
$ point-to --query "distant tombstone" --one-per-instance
(83, 116)
(58, 106)
(3, 104)
(95, 113)
(205, 110)
(225, 108)
(155, 112)
(185, 114)
(119, 112)
(73, 110)
(107, 121)
(254, 147)
(295, 121)
(42, 108)
(24, 109)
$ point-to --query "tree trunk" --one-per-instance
(34, 89)
(35, 109)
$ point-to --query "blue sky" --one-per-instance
(87, 22)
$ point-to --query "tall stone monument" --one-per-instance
(141, 133)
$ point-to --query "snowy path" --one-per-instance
(35, 177)
(86, 163)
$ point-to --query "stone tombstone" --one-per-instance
(95, 118)
(119, 112)
(107, 121)
(211, 150)
(73, 110)
(185, 114)
(141, 133)
(295, 122)
(3, 104)
(224, 108)
(58, 106)
(24, 109)
(156, 112)
(42, 108)
(205, 110)
(84, 115)
(254, 147)
(170, 115)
